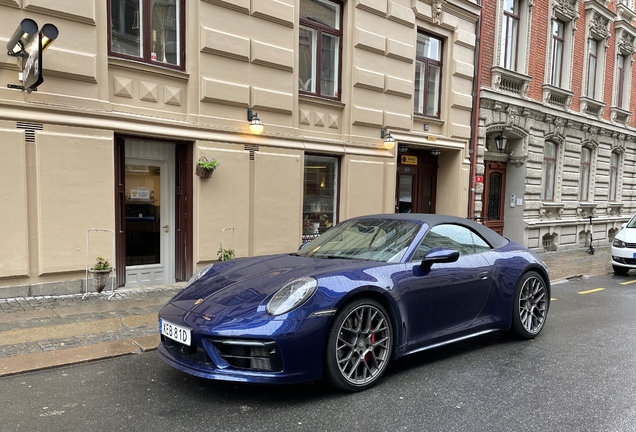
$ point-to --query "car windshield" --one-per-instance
(384, 240)
(632, 223)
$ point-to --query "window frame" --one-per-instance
(427, 63)
(620, 78)
(557, 41)
(549, 162)
(585, 173)
(146, 39)
(320, 29)
(508, 18)
(591, 73)
(308, 208)
(612, 191)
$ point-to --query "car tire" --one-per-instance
(359, 345)
(530, 305)
(621, 271)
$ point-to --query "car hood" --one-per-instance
(244, 283)
(628, 235)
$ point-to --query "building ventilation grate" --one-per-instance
(29, 130)
(251, 148)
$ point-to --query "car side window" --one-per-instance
(457, 237)
(480, 243)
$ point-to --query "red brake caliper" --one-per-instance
(371, 341)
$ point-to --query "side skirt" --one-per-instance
(439, 344)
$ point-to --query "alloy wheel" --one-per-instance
(533, 304)
(363, 345)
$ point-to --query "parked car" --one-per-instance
(624, 248)
(367, 291)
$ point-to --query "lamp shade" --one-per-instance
(256, 126)
(501, 141)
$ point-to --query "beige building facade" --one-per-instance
(101, 159)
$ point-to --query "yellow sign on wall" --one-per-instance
(409, 160)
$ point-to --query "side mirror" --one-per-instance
(439, 255)
(624, 225)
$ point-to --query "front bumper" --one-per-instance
(623, 257)
(265, 352)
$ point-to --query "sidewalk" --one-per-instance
(44, 332)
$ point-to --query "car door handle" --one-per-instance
(483, 275)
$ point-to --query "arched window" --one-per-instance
(584, 173)
(549, 171)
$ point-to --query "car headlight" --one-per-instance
(199, 274)
(618, 243)
(292, 295)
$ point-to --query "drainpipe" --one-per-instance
(475, 118)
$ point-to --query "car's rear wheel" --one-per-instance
(530, 306)
(359, 345)
(622, 271)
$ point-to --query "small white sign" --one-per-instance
(140, 194)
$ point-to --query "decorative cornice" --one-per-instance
(566, 9)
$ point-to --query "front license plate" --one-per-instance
(176, 332)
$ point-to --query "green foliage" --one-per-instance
(225, 254)
(101, 264)
(209, 165)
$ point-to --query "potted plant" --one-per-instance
(225, 254)
(206, 167)
(100, 273)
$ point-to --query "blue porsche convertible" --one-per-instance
(369, 290)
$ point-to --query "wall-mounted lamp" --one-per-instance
(436, 151)
(48, 33)
(501, 141)
(389, 141)
(403, 148)
(22, 37)
(256, 125)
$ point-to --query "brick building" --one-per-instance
(557, 87)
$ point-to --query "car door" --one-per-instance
(447, 297)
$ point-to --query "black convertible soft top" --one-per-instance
(494, 239)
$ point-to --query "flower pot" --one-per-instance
(99, 278)
(202, 172)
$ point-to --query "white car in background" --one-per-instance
(624, 248)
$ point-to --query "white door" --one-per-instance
(150, 195)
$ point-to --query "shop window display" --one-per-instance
(320, 195)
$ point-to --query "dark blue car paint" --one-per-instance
(232, 298)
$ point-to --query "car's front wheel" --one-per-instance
(530, 306)
(359, 345)
(621, 271)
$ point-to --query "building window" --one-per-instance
(319, 47)
(613, 180)
(557, 52)
(549, 171)
(320, 195)
(620, 65)
(592, 60)
(510, 34)
(428, 75)
(584, 179)
(148, 30)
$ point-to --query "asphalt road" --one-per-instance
(578, 375)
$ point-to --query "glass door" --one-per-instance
(148, 222)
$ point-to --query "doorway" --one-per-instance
(416, 182)
(153, 212)
(494, 195)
